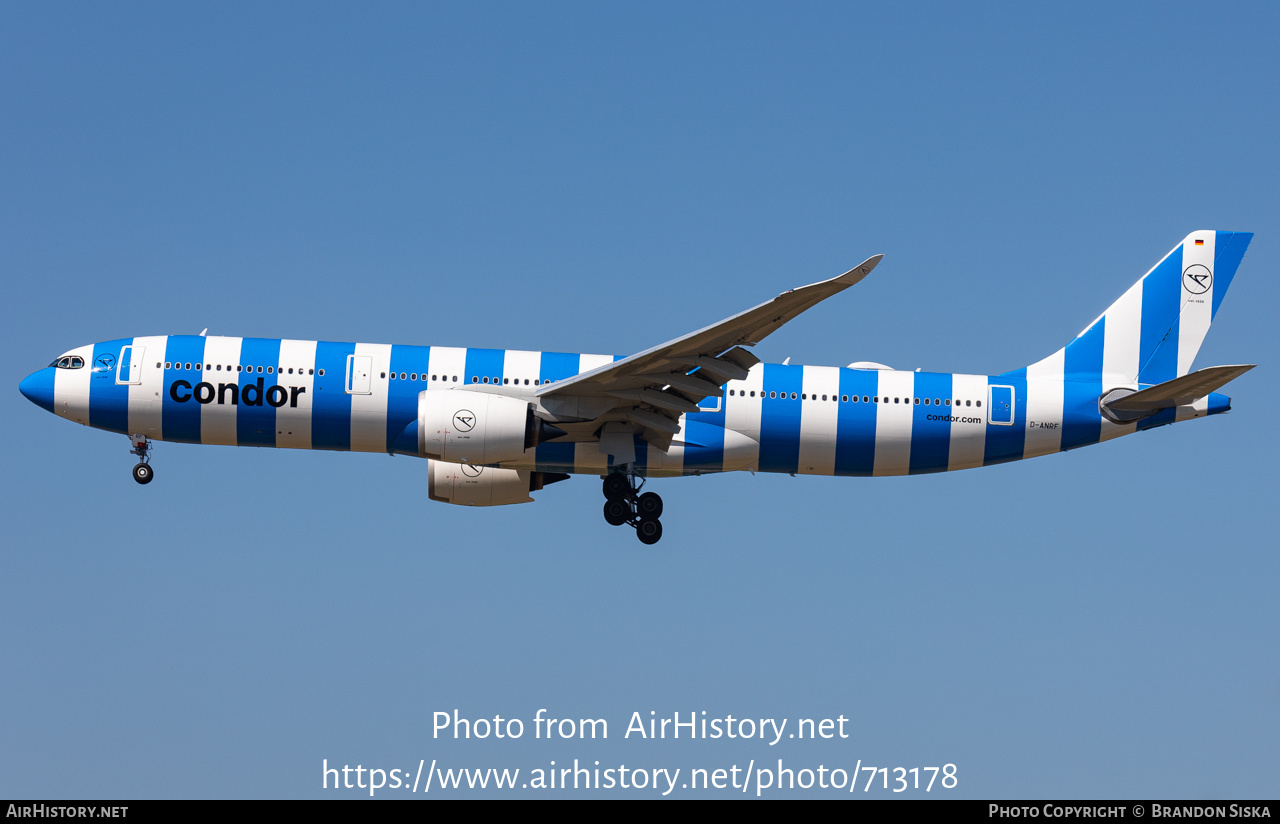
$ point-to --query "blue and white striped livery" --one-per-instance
(496, 425)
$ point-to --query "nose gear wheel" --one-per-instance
(142, 471)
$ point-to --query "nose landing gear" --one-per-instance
(625, 505)
(142, 471)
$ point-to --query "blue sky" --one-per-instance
(600, 178)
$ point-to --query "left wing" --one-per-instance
(651, 389)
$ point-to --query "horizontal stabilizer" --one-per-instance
(1179, 391)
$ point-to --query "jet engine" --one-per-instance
(460, 426)
(467, 485)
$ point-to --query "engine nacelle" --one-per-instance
(460, 426)
(466, 485)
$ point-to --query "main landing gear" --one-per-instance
(142, 471)
(625, 505)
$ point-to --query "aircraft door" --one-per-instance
(129, 366)
(1000, 405)
(359, 374)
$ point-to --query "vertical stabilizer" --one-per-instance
(1153, 332)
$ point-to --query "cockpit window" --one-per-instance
(68, 362)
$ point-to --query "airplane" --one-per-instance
(496, 425)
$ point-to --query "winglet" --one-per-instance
(860, 271)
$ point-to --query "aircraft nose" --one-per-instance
(38, 388)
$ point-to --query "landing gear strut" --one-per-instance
(625, 505)
(142, 471)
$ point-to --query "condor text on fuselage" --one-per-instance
(253, 394)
